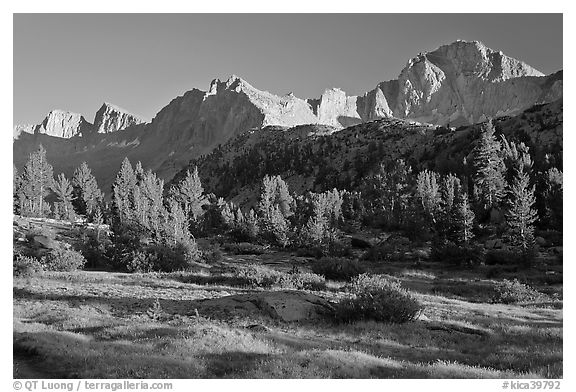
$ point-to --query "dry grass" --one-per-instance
(96, 325)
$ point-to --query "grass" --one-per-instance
(99, 325)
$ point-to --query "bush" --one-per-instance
(512, 291)
(259, 276)
(25, 266)
(62, 259)
(263, 277)
(450, 253)
(140, 261)
(160, 258)
(337, 268)
(509, 257)
(375, 298)
(382, 252)
(212, 255)
(303, 281)
(95, 251)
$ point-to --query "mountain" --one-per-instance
(460, 83)
(111, 118)
(314, 157)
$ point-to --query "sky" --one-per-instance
(140, 62)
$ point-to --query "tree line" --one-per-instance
(147, 217)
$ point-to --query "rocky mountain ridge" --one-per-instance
(64, 124)
(460, 83)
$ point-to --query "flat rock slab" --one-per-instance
(282, 305)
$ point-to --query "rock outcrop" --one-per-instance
(464, 83)
(63, 124)
(285, 305)
(111, 118)
(60, 123)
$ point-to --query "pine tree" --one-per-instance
(428, 192)
(386, 194)
(552, 196)
(177, 225)
(16, 184)
(148, 196)
(516, 157)
(274, 207)
(251, 227)
(190, 194)
(274, 192)
(451, 187)
(489, 167)
(463, 219)
(63, 190)
(521, 215)
(122, 189)
(87, 195)
(36, 180)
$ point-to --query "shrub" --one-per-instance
(375, 298)
(334, 249)
(382, 252)
(367, 282)
(26, 266)
(450, 253)
(95, 250)
(512, 291)
(62, 259)
(259, 276)
(337, 268)
(263, 277)
(509, 257)
(212, 255)
(160, 257)
(303, 281)
(140, 261)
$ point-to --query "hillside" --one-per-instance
(317, 158)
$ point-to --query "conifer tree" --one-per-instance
(274, 191)
(521, 215)
(274, 207)
(87, 195)
(552, 196)
(463, 219)
(190, 194)
(149, 199)
(428, 192)
(489, 167)
(387, 193)
(37, 177)
(451, 187)
(516, 157)
(122, 189)
(16, 184)
(63, 191)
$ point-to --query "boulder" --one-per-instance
(285, 305)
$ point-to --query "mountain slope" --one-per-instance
(314, 157)
(460, 83)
